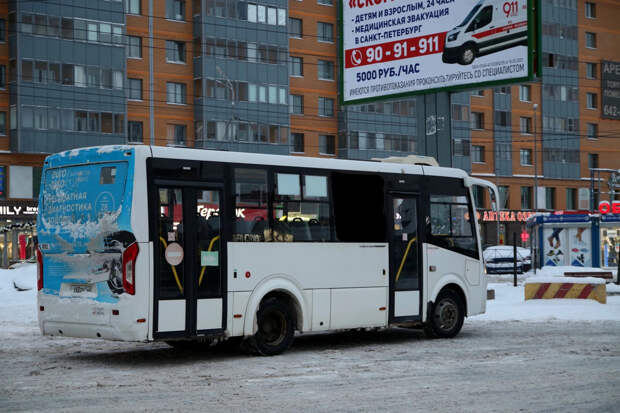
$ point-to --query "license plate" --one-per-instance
(82, 288)
(78, 290)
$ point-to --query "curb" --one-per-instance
(596, 292)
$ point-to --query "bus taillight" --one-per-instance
(129, 268)
(39, 269)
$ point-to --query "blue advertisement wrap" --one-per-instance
(84, 222)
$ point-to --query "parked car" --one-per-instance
(499, 259)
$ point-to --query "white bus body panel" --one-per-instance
(406, 303)
(356, 274)
(171, 315)
(453, 268)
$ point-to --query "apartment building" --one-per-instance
(262, 76)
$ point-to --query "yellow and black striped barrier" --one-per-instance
(535, 290)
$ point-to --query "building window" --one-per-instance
(326, 107)
(296, 66)
(592, 160)
(297, 104)
(550, 198)
(2, 76)
(295, 28)
(503, 90)
(134, 47)
(134, 87)
(526, 125)
(297, 142)
(325, 32)
(132, 6)
(479, 93)
(326, 2)
(175, 51)
(591, 70)
(477, 120)
(525, 93)
(2, 123)
(326, 70)
(571, 198)
(590, 10)
(591, 100)
(477, 154)
(525, 155)
(327, 144)
(177, 134)
(592, 130)
(502, 118)
(2, 30)
(590, 40)
(175, 93)
(526, 197)
(134, 131)
(460, 112)
(175, 9)
(461, 147)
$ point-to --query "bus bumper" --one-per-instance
(84, 319)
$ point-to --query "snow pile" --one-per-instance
(18, 307)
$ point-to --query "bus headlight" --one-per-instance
(453, 36)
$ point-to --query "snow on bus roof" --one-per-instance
(145, 151)
(303, 161)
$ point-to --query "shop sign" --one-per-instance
(606, 207)
(18, 209)
(504, 216)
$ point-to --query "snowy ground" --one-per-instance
(539, 355)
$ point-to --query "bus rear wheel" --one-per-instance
(447, 316)
(276, 328)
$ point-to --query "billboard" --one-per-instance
(396, 47)
(610, 85)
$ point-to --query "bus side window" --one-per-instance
(301, 208)
(251, 222)
(451, 226)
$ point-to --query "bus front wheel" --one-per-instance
(276, 328)
(447, 316)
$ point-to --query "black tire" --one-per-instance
(276, 328)
(467, 55)
(446, 317)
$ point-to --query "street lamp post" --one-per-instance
(535, 163)
(535, 181)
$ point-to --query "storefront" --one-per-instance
(17, 230)
(581, 240)
(510, 222)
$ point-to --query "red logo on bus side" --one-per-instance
(605, 207)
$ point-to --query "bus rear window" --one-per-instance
(107, 175)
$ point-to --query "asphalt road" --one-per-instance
(491, 366)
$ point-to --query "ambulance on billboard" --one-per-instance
(490, 26)
(402, 47)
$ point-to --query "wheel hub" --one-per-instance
(447, 314)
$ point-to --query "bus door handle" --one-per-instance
(432, 268)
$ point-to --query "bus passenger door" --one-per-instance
(405, 280)
(188, 261)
